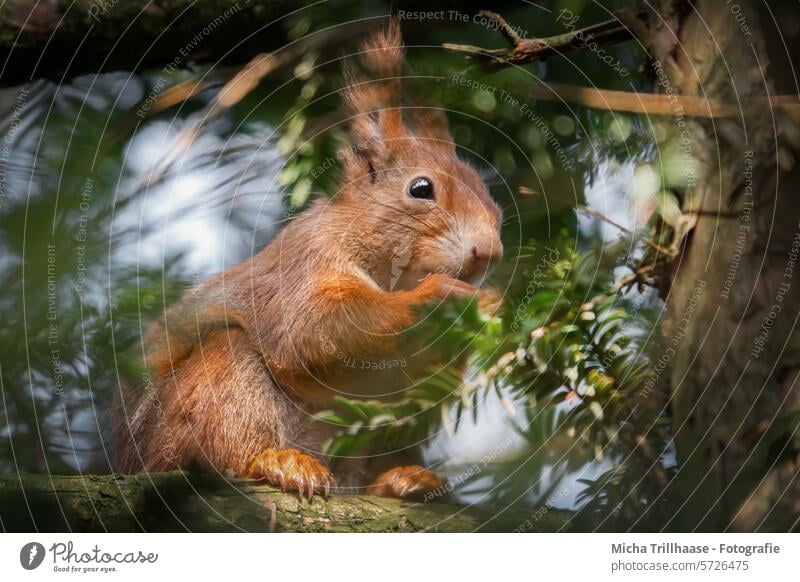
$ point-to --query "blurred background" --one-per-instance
(120, 190)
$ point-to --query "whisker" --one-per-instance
(354, 214)
(401, 211)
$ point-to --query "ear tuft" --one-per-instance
(374, 104)
(431, 124)
(383, 50)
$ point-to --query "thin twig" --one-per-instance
(658, 103)
(625, 281)
(231, 93)
(238, 84)
(624, 27)
(652, 244)
(633, 278)
(528, 50)
(504, 27)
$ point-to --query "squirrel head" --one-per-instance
(404, 181)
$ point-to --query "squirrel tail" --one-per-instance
(184, 326)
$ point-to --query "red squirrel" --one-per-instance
(242, 361)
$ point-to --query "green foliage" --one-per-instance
(629, 496)
(382, 426)
(567, 350)
(565, 355)
(69, 313)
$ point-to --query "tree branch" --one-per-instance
(528, 50)
(66, 39)
(179, 501)
(626, 26)
(600, 216)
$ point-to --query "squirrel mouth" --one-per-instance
(472, 276)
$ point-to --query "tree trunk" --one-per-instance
(179, 501)
(733, 302)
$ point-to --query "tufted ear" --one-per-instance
(374, 106)
(431, 125)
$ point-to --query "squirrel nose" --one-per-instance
(490, 253)
(479, 256)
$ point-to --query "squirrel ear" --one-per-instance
(374, 105)
(431, 125)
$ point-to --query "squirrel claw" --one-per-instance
(292, 470)
(408, 482)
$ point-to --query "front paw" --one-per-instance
(291, 470)
(440, 286)
(409, 482)
(490, 301)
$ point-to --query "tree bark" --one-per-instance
(53, 39)
(177, 501)
(732, 301)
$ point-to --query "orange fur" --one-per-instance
(241, 362)
(410, 481)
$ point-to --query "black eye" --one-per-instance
(421, 188)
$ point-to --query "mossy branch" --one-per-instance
(178, 501)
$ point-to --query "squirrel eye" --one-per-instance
(421, 188)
